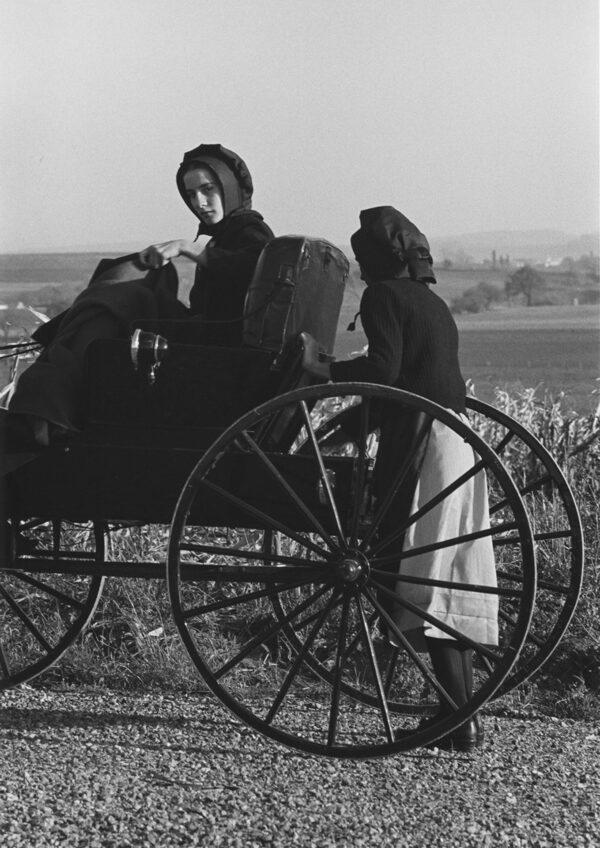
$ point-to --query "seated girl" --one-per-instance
(217, 187)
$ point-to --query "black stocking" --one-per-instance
(453, 666)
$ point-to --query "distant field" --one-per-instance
(452, 283)
(18, 271)
(28, 272)
(554, 348)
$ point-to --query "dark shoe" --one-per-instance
(467, 737)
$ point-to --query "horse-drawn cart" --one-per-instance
(273, 520)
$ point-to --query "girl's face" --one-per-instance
(204, 195)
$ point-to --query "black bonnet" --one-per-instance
(230, 170)
(387, 242)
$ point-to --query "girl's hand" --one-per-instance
(157, 255)
(310, 358)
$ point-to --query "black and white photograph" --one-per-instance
(300, 423)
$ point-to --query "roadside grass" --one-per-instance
(568, 685)
(132, 641)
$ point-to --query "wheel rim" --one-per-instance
(329, 594)
(43, 610)
(557, 533)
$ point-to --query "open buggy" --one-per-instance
(276, 549)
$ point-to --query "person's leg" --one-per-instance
(453, 667)
(451, 662)
(47, 397)
(47, 394)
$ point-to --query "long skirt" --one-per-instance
(473, 614)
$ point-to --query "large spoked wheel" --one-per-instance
(284, 620)
(552, 512)
(557, 533)
(45, 600)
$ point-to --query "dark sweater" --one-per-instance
(413, 343)
(219, 290)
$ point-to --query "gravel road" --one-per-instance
(95, 768)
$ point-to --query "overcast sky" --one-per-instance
(467, 115)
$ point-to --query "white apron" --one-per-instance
(474, 614)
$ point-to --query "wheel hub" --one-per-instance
(354, 568)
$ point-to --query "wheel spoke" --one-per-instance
(299, 503)
(253, 643)
(295, 668)
(531, 637)
(236, 600)
(337, 673)
(401, 474)
(266, 520)
(381, 694)
(553, 534)
(485, 662)
(240, 553)
(502, 444)
(4, 664)
(359, 482)
(389, 677)
(446, 584)
(50, 590)
(203, 572)
(352, 645)
(526, 490)
(322, 469)
(431, 504)
(446, 543)
(410, 650)
(14, 605)
(507, 540)
(556, 588)
(300, 625)
(536, 484)
(441, 625)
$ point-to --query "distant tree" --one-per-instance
(589, 266)
(53, 299)
(477, 299)
(16, 323)
(525, 281)
(462, 259)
